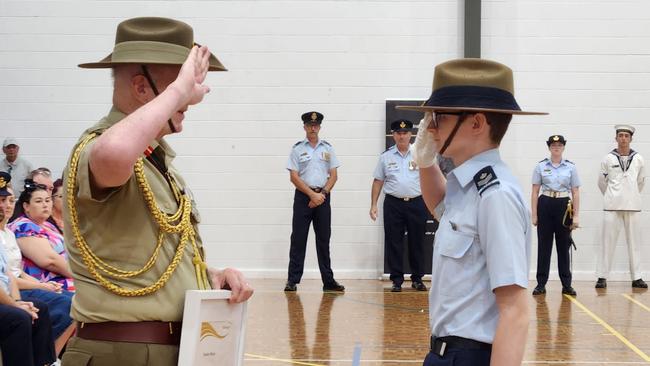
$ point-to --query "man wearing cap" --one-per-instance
(14, 164)
(478, 307)
(558, 182)
(621, 180)
(404, 209)
(131, 221)
(312, 168)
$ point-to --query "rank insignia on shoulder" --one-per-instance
(485, 178)
(543, 160)
(297, 143)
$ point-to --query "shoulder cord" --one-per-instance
(178, 223)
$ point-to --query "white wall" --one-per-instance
(585, 62)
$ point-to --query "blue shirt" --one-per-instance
(559, 178)
(4, 280)
(399, 173)
(483, 242)
(313, 164)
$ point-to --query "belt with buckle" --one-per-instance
(405, 199)
(152, 332)
(554, 194)
(316, 189)
(441, 345)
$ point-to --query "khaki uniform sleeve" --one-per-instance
(84, 184)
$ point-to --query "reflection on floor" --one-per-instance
(309, 327)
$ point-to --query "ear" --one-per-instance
(140, 89)
(479, 124)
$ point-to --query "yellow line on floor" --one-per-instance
(636, 302)
(282, 360)
(609, 328)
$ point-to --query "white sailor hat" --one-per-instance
(624, 128)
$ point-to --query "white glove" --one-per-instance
(425, 150)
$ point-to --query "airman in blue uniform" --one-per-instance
(478, 307)
(398, 175)
(555, 212)
(312, 170)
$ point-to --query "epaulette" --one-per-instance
(484, 179)
(543, 160)
(297, 143)
(326, 143)
(390, 148)
(569, 161)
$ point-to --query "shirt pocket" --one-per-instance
(457, 264)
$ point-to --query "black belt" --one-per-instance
(405, 199)
(441, 345)
(316, 189)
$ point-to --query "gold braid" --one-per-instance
(178, 223)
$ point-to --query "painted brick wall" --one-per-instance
(585, 62)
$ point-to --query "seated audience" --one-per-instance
(57, 205)
(51, 293)
(25, 327)
(41, 243)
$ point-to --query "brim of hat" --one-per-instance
(152, 59)
(463, 109)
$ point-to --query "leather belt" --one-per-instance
(135, 332)
(441, 345)
(554, 194)
(316, 189)
(405, 199)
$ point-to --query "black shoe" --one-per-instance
(290, 286)
(396, 288)
(334, 286)
(539, 290)
(418, 285)
(569, 291)
(602, 283)
(639, 284)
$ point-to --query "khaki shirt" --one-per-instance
(120, 230)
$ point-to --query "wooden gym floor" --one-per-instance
(368, 325)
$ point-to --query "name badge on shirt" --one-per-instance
(304, 157)
(412, 165)
(392, 166)
(326, 156)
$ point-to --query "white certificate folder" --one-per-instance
(213, 330)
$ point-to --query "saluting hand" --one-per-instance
(424, 153)
(189, 82)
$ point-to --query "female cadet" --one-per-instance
(558, 181)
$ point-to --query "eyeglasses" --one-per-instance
(437, 118)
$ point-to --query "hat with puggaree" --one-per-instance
(152, 40)
(624, 128)
(5, 178)
(312, 117)
(555, 138)
(401, 125)
(473, 85)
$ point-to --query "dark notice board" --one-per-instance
(393, 114)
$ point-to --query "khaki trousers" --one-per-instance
(83, 352)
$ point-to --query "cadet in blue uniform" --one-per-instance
(312, 169)
(558, 181)
(404, 208)
(478, 306)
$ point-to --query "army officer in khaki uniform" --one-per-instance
(131, 222)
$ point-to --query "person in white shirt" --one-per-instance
(621, 180)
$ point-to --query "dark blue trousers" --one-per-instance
(550, 212)
(459, 357)
(303, 216)
(400, 215)
(57, 304)
(24, 343)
